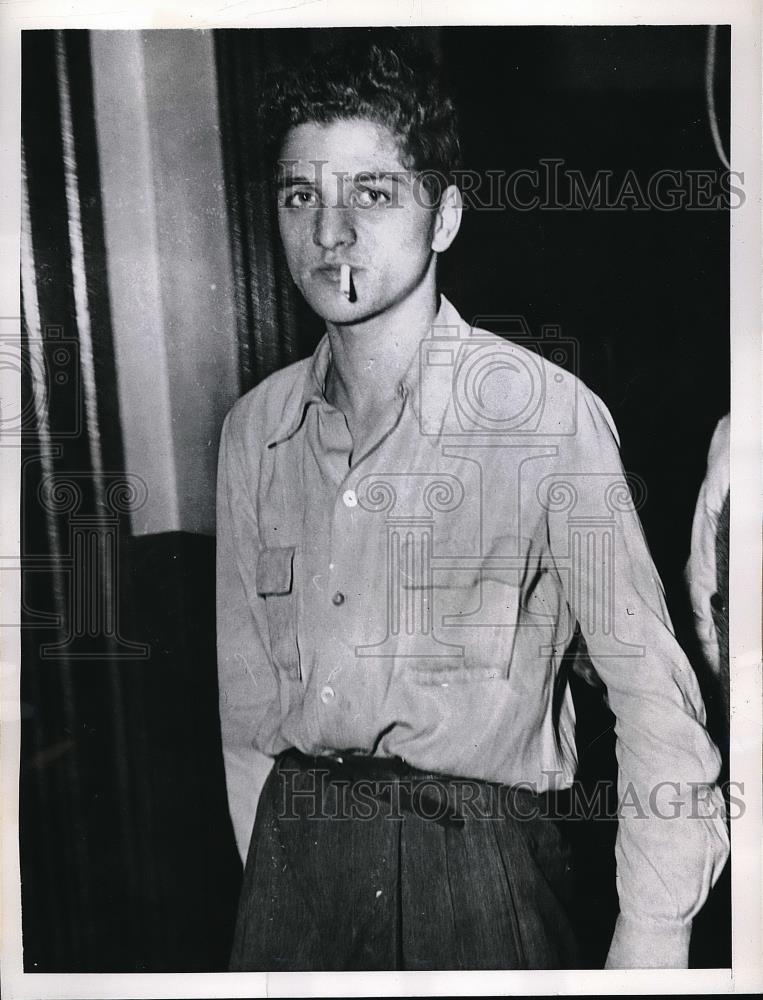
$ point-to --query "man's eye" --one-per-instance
(365, 197)
(301, 199)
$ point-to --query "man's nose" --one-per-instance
(333, 227)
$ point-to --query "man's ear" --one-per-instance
(448, 219)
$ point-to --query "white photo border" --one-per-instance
(744, 16)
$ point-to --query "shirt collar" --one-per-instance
(447, 323)
(312, 392)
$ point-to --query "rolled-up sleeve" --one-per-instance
(672, 841)
(247, 684)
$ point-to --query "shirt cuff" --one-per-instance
(637, 945)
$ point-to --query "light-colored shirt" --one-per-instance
(701, 569)
(415, 600)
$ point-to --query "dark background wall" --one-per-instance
(128, 861)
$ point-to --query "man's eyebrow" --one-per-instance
(382, 175)
(286, 180)
(292, 180)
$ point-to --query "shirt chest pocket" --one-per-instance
(480, 611)
(275, 583)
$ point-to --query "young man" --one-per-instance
(410, 524)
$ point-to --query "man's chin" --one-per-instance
(342, 312)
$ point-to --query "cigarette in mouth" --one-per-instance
(344, 280)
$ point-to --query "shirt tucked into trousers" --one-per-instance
(406, 885)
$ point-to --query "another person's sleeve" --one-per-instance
(672, 841)
(248, 692)
(701, 569)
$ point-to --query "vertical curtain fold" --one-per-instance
(128, 862)
(74, 735)
(274, 327)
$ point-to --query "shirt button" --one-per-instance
(350, 498)
(338, 598)
(327, 694)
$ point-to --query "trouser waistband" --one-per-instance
(447, 799)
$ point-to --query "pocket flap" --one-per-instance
(274, 571)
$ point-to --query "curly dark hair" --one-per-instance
(397, 86)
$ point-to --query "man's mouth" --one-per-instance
(342, 275)
(332, 272)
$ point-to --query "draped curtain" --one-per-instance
(127, 858)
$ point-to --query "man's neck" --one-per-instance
(370, 358)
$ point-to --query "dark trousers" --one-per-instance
(370, 865)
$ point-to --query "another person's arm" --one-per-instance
(701, 569)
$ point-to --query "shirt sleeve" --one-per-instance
(247, 685)
(672, 841)
(701, 576)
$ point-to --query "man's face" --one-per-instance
(346, 198)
